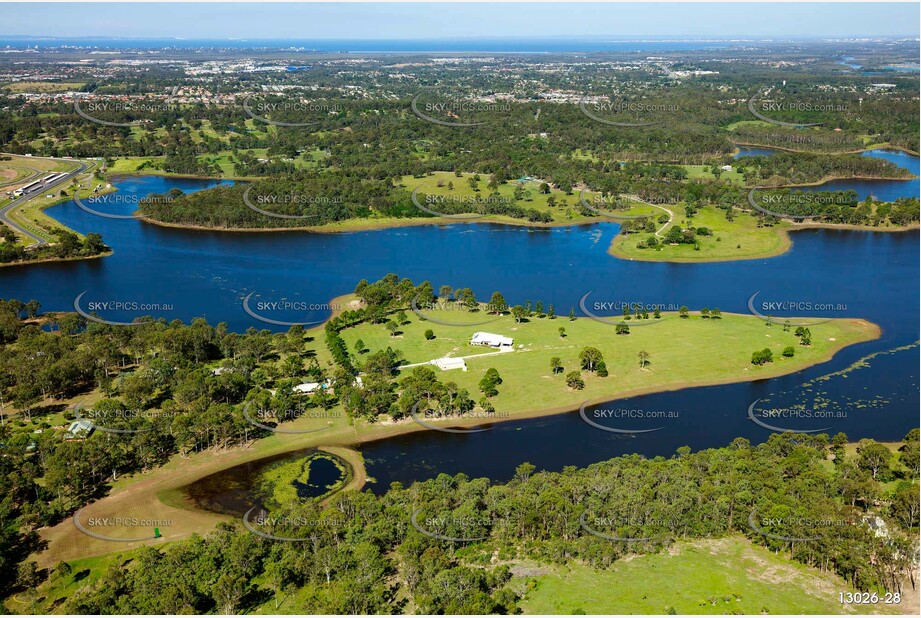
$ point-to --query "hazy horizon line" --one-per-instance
(624, 37)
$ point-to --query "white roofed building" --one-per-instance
(308, 388)
(491, 340)
(447, 363)
(80, 428)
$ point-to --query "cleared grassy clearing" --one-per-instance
(724, 576)
(703, 172)
(41, 86)
(566, 206)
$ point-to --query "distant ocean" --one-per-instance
(549, 45)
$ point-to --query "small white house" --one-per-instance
(491, 340)
(308, 388)
(447, 363)
(81, 428)
(726, 168)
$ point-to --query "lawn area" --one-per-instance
(141, 132)
(683, 352)
(740, 239)
(222, 160)
(725, 576)
(584, 155)
(703, 171)
(131, 165)
(533, 197)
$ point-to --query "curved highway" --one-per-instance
(4, 212)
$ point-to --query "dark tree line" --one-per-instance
(364, 554)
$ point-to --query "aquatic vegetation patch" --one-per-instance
(290, 481)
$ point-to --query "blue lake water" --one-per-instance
(848, 61)
(751, 151)
(201, 273)
(883, 190)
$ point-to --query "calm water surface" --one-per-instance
(198, 273)
(883, 190)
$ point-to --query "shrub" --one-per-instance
(574, 380)
(762, 356)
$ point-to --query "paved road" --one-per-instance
(4, 212)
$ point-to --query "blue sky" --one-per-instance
(431, 20)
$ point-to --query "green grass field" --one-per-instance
(740, 239)
(749, 123)
(130, 165)
(41, 86)
(34, 163)
(13, 175)
(726, 576)
(683, 352)
(703, 172)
